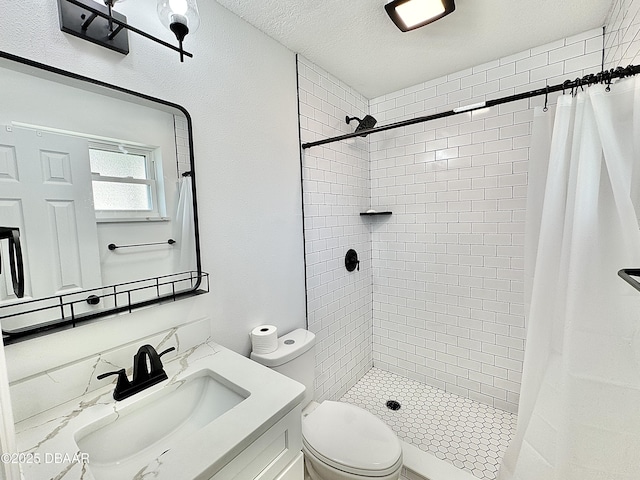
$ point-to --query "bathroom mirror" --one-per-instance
(99, 181)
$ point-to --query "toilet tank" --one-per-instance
(295, 358)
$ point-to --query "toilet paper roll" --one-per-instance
(264, 339)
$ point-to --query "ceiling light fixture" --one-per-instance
(103, 26)
(412, 14)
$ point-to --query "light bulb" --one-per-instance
(184, 12)
(178, 6)
(418, 11)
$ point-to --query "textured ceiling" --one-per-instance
(356, 41)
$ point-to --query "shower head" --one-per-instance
(365, 124)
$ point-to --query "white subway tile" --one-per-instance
(486, 88)
(533, 62)
(572, 50)
(457, 187)
(590, 62)
(548, 47)
(448, 87)
(516, 80)
(501, 71)
(475, 79)
(547, 72)
(486, 66)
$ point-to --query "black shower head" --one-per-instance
(365, 124)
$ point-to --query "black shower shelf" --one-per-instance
(371, 214)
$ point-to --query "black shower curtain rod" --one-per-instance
(605, 77)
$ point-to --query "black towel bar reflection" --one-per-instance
(627, 273)
(113, 246)
(16, 264)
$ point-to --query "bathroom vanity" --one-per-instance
(218, 416)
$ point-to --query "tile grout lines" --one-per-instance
(470, 435)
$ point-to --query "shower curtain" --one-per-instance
(579, 411)
(184, 229)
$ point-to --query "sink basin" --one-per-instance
(123, 444)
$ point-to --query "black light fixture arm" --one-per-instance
(110, 7)
(87, 23)
(180, 30)
(94, 12)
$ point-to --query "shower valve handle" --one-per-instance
(351, 261)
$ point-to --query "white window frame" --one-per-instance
(153, 168)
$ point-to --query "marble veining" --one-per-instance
(269, 397)
(46, 437)
(78, 379)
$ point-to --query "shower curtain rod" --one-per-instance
(605, 77)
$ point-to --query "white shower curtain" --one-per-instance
(579, 412)
(184, 229)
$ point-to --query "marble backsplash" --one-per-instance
(62, 383)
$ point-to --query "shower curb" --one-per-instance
(430, 467)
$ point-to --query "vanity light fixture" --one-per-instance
(179, 16)
(412, 14)
(103, 26)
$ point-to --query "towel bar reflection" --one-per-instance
(16, 264)
(627, 275)
(113, 246)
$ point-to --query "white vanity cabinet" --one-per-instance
(243, 422)
(275, 455)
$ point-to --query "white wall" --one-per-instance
(240, 89)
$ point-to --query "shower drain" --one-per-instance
(393, 405)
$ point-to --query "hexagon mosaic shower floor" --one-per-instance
(468, 434)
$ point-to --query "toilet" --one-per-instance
(340, 441)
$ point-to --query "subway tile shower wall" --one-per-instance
(622, 34)
(336, 189)
(448, 265)
(182, 144)
(441, 280)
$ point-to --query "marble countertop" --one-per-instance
(48, 448)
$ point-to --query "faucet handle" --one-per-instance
(108, 374)
(170, 349)
(122, 384)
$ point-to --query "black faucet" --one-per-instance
(147, 371)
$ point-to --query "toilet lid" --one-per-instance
(348, 436)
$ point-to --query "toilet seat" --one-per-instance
(350, 439)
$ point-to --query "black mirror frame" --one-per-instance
(195, 290)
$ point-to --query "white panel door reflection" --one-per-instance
(45, 190)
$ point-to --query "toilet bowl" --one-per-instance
(340, 441)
